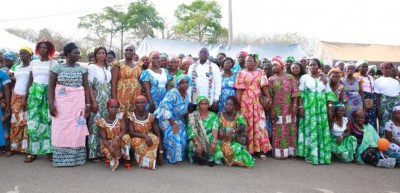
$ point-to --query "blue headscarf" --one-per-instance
(180, 78)
(11, 56)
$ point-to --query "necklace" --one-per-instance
(358, 127)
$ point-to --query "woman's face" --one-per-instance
(74, 55)
(129, 53)
(113, 108)
(295, 70)
(135, 57)
(110, 58)
(229, 106)
(334, 77)
(363, 68)
(268, 70)
(203, 105)
(101, 55)
(155, 59)
(24, 56)
(173, 64)
(360, 118)
(350, 70)
(396, 115)
(341, 66)
(183, 85)
(387, 71)
(140, 105)
(43, 52)
(313, 66)
(185, 66)
(145, 61)
(8, 63)
(163, 62)
(339, 112)
(326, 69)
(228, 65)
(276, 68)
(250, 63)
(220, 59)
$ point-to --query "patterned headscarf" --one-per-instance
(337, 105)
(361, 62)
(163, 55)
(182, 77)
(185, 59)
(290, 59)
(244, 53)
(27, 49)
(11, 56)
(200, 98)
(386, 64)
(335, 69)
(278, 60)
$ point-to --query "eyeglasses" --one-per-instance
(203, 52)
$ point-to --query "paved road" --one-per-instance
(267, 176)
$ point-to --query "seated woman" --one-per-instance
(170, 114)
(204, 147)
(367, 139)
(115, 140)
(392, 129)
(344, 145)
(146, 135)
(232, 129)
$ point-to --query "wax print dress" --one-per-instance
(145, 155)
(158, 83)
(284, 131)
(100, 81)
(395, 130)
(173, 106)
(227, 90)
(351, 97)
(251, 83)
(346, 150)
(235, 154)
(314, 140)
(4, 80)
(202, 129)
(128, 86)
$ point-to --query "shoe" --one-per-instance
(386, 163)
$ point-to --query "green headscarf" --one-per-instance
(290, 59)
(200, 98)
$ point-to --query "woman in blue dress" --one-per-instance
(154, 81)
(170, 114)
(228, 79)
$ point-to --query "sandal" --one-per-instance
(263, 156)
(29, 158)
(8, 154)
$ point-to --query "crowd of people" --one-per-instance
(165, 108)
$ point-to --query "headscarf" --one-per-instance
(385, 64)
(27, 49)
(361, 62)
(11, 56)
(200, 98)
(129, 46)
(244, 53)
(278, 60)
(163, 55)
(338, 62)
(290, 59)
(110, 101)
(337, 105)
(396, 108)
(372, 67)
(335, 69)
(181, 55)
(185, 59)
(347, 64)
(182, 77)
(140, 97)
(173, 56)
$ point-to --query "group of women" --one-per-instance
(109, 110)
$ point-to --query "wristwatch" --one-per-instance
(161, 151)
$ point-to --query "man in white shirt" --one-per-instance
(206, 78)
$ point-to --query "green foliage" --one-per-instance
(200, 21)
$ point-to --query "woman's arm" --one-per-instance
(28, 86)
(156, 131)
(114, 81)
(239, 95)
(51, 93)
(87, 95)
(103, 137)
(362, 94)
(146, 86)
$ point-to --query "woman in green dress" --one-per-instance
(232, 130)
(204, 147)
(314, 140)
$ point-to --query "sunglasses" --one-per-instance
(203, 52)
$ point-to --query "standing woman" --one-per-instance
(297, 70)
(171, 114)
(387, 90)
(19, 137)
(285, 92)
(68, 94)
(249, 84)
(367, 84)
(228, 80)
(334, 81)
(352, 94)
(173, 69)
(99, 77)
(125, 84)
(314, 141)
(186, 62)
(154, 80)
(36, 99)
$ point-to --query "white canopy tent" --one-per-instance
(12, 42)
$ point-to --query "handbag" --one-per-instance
(241, 137)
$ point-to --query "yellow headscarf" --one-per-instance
(26, 48)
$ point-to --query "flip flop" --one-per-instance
(29, 158)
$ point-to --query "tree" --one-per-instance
(199, 21)
(96, 24)
(45, 34)
(144, 19)
(27, 34)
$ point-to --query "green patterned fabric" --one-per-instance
(346, 150)
(203, 131)
(39, 120)
(387, 104)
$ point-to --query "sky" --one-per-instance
(355, 21)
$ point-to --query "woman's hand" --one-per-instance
(24, 105)
(213, 147)
(339, 140)
(87, 112)
(112, 152)
(148, 140)
(53, 110)
(301, 112)
(152, 107)
(228, 136)
(94, 107)
(199, 149)
(175, 128)
(323, 78)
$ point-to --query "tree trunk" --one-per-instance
(122, 43)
